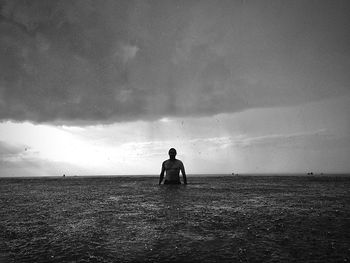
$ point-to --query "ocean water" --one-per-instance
(212, 219)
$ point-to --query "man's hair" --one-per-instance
(172, 150)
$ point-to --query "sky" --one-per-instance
(107, 87)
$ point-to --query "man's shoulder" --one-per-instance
(166, 162)
(179, 161)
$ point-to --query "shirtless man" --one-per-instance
(172, 168)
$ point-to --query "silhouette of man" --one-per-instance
(172, 168)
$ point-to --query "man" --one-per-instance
(172, 168)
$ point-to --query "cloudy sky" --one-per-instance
(107, 87)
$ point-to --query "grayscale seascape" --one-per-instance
(212, 219)
(248, 101)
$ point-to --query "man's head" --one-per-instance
(172, 153)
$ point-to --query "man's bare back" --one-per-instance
(172, 168)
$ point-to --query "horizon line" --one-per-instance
(194, 174)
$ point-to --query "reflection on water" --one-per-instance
(134, 219)
(171, 195)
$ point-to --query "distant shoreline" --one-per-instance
(189, 175)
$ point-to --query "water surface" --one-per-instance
(132, 219)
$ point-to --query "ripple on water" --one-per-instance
(196, 237)
(150, 206)
(124, 197)
(115, 198)
(77, 225)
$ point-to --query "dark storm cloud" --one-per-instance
(105, 61)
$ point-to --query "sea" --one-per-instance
(212, 219)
